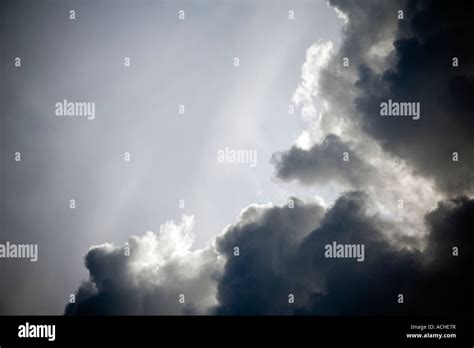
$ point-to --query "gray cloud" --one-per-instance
(259, 281)
(419, 69)
(408, 60)
(323, 163)
(281, 252)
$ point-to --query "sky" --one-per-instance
(175, 231)
(173, 156)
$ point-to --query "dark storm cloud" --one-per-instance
(259, 279)
(281, 252)
(323, 163)
(451, 226)
(268, 269)
(417, 67)
(421, 70)
(407, 60)
(432, 282)
(116, 287)
(110, 289)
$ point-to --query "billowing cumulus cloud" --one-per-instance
(408, 60)
(400, 195)
(260, 280)
(273, 252)
(385, 58)
(433, 34)
(149, 275)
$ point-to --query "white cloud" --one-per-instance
(317, 56)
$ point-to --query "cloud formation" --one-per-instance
(433, 34)
(425, 57)
(159, 269)
(332, 160)
(281, 253)
(261, 278)
(402, 196)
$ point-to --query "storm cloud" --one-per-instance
(260, 279)
(281, 253)
(422, 54)
(434, 35)
(404, 198)
(404, 51)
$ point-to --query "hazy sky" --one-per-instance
(173, 156)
